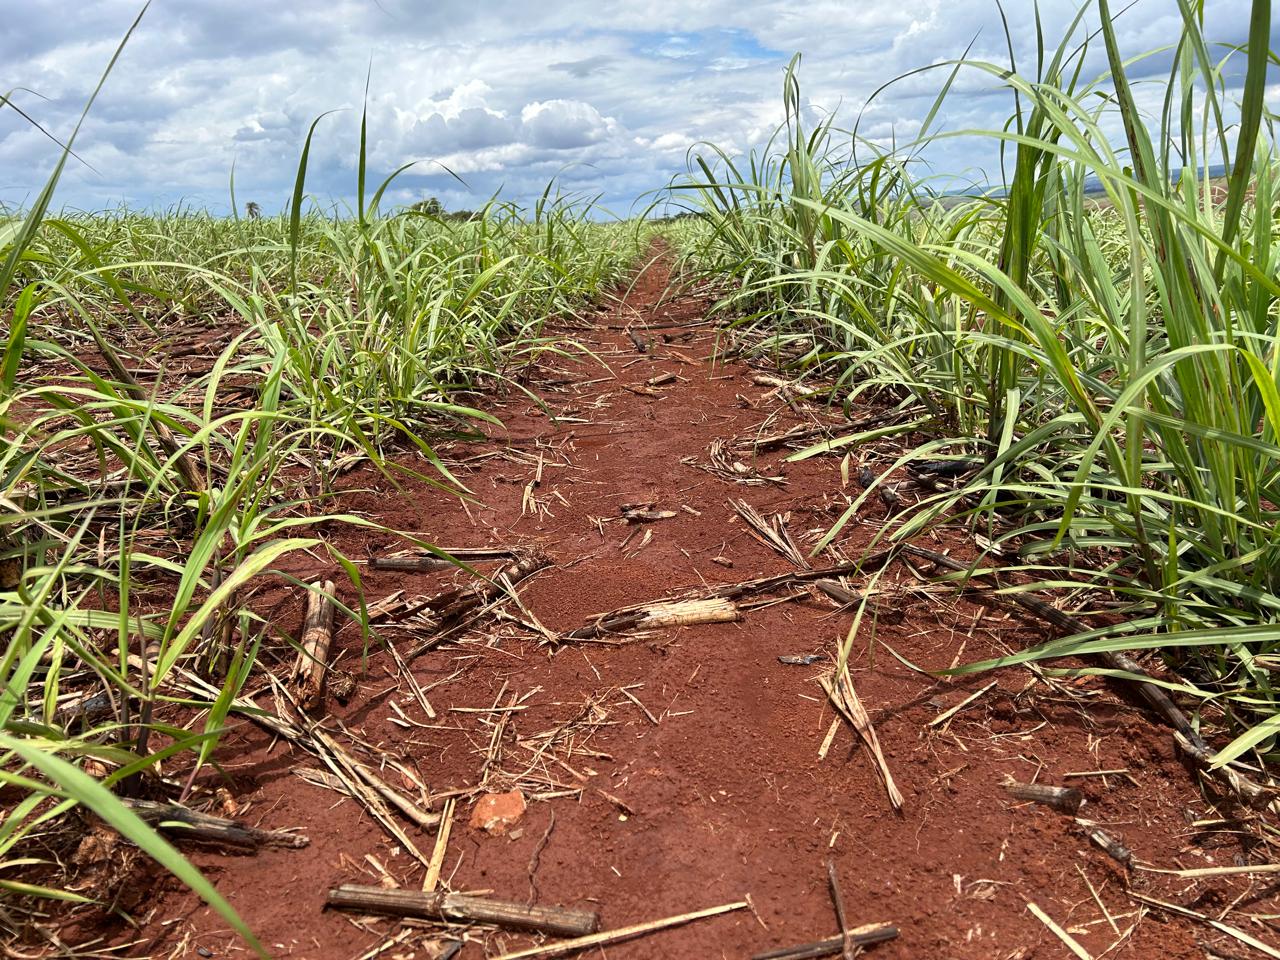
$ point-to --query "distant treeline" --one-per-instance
(432, 207)
(682, 215)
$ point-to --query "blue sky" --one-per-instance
(607, 97)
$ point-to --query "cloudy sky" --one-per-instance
(606, 96)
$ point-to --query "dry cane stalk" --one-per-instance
(1188, 738)
(179, 822)
(847, 701)
(317, 634)
(860, 937)
(1065, 799)
(561, 921)
(453, 605)
(616, 936)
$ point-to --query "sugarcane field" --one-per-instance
(616, 481)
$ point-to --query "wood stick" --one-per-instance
(180, 821)
(561, 921)
(427, 562)
(1097, 898)
(864, 936)
(642, 346)
(410, 564)
(643, 709)
(838, 593)
(683, 613)
(662, 613)
(1116, 850)
(1064, 799)
(317, 634)
(765, 380)
(847, 947)
(622, 933)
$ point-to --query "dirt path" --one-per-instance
(681, 770)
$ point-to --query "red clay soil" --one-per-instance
(688, 773)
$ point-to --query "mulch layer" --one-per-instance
(675, 768)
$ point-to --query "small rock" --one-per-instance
(494, 812)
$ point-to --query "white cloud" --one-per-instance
(607, 95)
(564, 124)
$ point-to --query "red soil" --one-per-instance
(724, 795)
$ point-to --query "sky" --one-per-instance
(484, 96)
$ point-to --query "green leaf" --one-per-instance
(87, 791)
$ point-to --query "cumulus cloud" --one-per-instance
(564, 124)
(607, 96)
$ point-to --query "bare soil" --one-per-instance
(684, 768)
